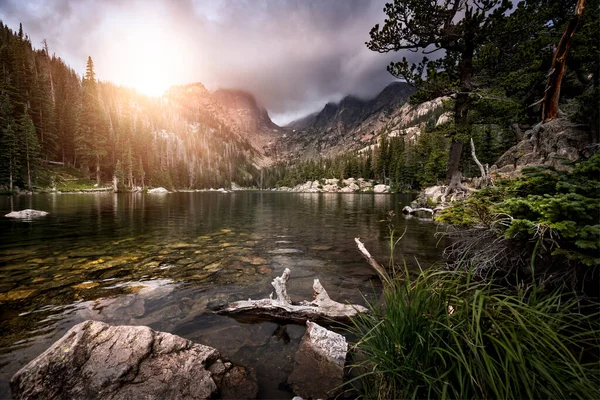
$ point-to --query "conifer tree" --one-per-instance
(29, 148)
(91, 138)
(458, 27)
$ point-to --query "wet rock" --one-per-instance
(321, 248)
(264, 270)
(319, 363)
(85, 285)
(257, 261)
(213, 267)
(180, 246)
(94, 360)
(285, 251)
(26, 214)
(16, 295)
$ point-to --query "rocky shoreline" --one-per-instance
(349, 185)
(333, 185)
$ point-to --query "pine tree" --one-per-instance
(459, 28)
(91, 138)
(30, 148)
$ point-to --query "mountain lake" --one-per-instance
(168, 260)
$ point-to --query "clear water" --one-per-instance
(168, 260)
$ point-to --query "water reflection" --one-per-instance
(167, 260)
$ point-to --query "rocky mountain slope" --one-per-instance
(253, 121)
(237, 111)
(353, 123)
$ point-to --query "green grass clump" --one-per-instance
(443, 335)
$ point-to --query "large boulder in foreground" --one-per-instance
(319, 363)
(94, 360)
(26, 214)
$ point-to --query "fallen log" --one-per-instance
(410, 210)
(280, 308)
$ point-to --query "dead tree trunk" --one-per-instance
(552, 92)
(483, 170)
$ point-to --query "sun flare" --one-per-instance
(148, 59)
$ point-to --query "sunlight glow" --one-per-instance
(148, 57)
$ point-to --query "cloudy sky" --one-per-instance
(293, 55)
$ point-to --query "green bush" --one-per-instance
(549, 215)
(444, 335)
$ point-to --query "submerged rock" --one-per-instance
(94, 360)
(26, 214)
(319, 367)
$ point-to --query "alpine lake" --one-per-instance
(168, 260)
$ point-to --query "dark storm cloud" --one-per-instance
(293, 55)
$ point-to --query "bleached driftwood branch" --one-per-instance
(322, 308)
(410, 210)
(372, 262)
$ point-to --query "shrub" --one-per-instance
(550, 216)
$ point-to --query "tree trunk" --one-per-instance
(10, 176)
(28, 168)
(454, 159)
(98, 169)
(461, 111)
(552, 92)
(482, 170)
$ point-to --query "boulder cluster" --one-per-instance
(333, 185)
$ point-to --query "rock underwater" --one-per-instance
(94, 360)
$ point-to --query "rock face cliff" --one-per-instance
(349, 125)
(354, 124)
(253, 121)
(236, 111)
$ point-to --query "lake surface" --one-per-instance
(168, 260)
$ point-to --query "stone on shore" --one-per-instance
(319, 363)
(26, 214)
(94, 360)
(158, 190)
(381, 188)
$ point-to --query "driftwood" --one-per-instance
(322, 308)
(383, 275)
(410, 210)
